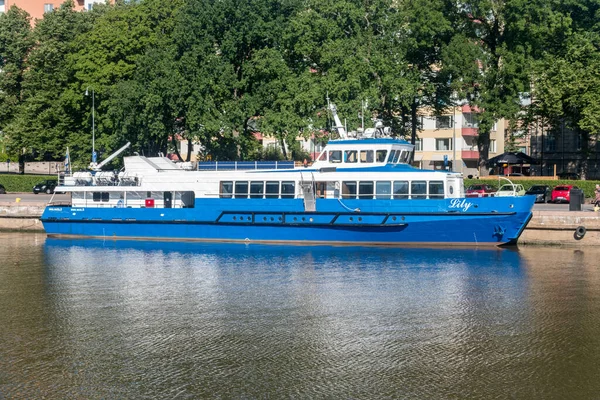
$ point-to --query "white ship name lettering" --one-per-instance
(461, 204)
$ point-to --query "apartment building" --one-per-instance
(442, 139)
(37, 8)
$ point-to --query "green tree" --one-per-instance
(15, 43)
(46, 116)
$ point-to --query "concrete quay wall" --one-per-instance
(563, 228)
(21, 216)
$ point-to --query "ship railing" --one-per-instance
(68, 178)
(243, 165)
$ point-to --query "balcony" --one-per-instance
(469, 131)
(469, 154)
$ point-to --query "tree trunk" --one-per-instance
(413, 118)
(189, 152)
(483, 145)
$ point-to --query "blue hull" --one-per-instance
(481, 221)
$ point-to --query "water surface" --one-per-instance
(116, 319)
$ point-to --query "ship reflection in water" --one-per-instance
(117, 319)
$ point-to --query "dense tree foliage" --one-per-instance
(217, 72)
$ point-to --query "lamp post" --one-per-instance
(93, 125)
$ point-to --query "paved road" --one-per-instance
(32, 198)
(44, 198)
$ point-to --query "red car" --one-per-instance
(480, 190)
(561, 194)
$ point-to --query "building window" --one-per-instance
(493, 148)
(443, 144)
(443, 122)
(418, 144)
(550, 143)
(470, 120)
(48, 7)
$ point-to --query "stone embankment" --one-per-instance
(564, 228)
(21, 216)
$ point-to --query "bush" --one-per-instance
(588, 187)
(22, 183)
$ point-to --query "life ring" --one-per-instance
(580, 232)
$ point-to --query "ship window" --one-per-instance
(101, 196)
(405, 155)
(348, 190)
(366, 156)
(392, 153)
(418, 190)
(436, 190)
(322, 156)
(188, 199)
(380, 155)
(335, 156)
(241, 190)
(272, 190)
(365, 190)
(288, 190)
(256, 190)
(384, 190)
(397, 156)
(350, 156)
(226, 190)
(401, 190)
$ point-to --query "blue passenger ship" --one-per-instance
(359, 191)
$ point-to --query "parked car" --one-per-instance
(46, 186)
(542, 193)
(516, 189)
(480, 190)
(561, 193)
(2, 190)
(569, 176)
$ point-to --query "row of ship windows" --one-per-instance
(365, 156)
(349, 189)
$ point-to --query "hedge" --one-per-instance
(22, 183)
(588, 187)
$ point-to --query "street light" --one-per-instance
(93, 125)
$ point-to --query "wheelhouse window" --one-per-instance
(418, 190)
(288, 189)
(436, 190)
(256, 190)
(392, 155)
(400, 190)
(226, 190)
(350, 156)
(383, 190)
(241, 190)
(365, 190)
(397, 155)
(335, 156)
(380, 155)
(272, 190)
(405, 156)
(348, 190)
(366, 156)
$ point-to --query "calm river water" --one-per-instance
(93, 319)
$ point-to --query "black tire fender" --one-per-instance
(580, 232)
